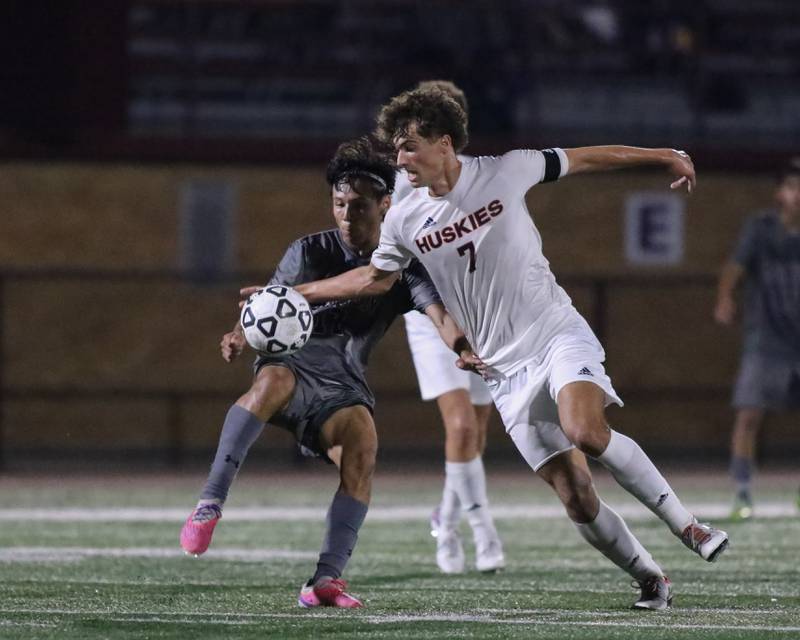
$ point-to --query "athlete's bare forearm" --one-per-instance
(608, 157)
(454, 338)
(603, 158)
(357, 283)
(449, 331)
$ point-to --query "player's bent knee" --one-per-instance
(360, 446)
(590, 436)
(461, 431)
(271, 389)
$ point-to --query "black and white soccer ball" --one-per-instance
(276, 320)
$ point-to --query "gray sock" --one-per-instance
(742, 473)
(345, 517)
(239, 431)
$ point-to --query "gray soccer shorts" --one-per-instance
(767, 383)
(316, 398)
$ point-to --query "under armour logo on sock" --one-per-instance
(585, 372)
(661, 499)
(633, 562)
(233, 461)
(473, 507)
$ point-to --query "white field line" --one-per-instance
(727, 611)
(26, 623)
(548, 615)
(376, 514)
(66, 554)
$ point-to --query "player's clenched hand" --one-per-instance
(232, 345)
(682, 167)
(470, 362)
(246, 292)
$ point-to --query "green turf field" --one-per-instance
(98, 558)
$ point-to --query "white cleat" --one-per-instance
(706, 541)
(489, 556)
(449, 552)
(656, 594)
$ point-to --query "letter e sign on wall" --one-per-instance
(654, 228)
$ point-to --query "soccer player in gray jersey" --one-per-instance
(767, 257)
(320, 393)
(548, 382)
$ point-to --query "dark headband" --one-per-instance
(354, 173)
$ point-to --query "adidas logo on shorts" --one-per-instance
(585, 372)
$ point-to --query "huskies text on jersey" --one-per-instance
(460, 228)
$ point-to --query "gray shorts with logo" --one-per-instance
(766, 382)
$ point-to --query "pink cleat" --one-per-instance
(327, 592)
(199, 527)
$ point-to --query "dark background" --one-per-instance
(114, 292)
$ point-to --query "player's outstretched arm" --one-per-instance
(357, 283)
(604, 158)
(725, 308)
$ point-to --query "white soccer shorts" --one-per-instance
(527, 398)
(435, 364)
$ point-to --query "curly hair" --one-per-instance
(360, 161)
(448, 87)
(434, 111)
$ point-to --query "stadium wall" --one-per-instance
(119, 368)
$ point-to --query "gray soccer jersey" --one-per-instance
(770, 256)
(330, 368)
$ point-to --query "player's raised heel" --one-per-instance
(706, 541)
(199, 527)
(656, 594)
(327, 592)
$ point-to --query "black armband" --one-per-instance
(552, 165)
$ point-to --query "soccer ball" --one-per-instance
(277, 320)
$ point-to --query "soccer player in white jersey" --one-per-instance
(484, 255)
(465, 404)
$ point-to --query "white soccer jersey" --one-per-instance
(484, 255)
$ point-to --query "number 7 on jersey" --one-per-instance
(468, 248)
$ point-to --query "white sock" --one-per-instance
(634, 471)
(609, 534)
(450, 506)
(468, 480)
